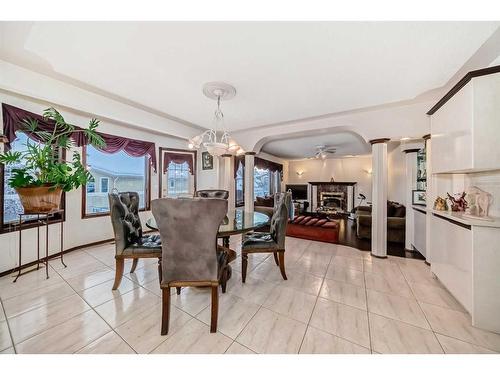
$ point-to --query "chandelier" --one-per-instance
(216, 140)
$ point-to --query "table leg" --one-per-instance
(47, 246)
(62, 243)
(20, 244)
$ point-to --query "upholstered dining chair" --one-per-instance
(130, 243)
(191, 259)
(212, 193)
(269, 242)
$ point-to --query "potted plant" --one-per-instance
(45, 175)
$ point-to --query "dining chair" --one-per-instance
(212, 193)
(130, 242)
(191, 259)
(269, 242)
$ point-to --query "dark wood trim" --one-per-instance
(250, 153)
(379, 140)
(147, 190)
(411, 150)
(426, 137)
(79, 247)
(419, 210)
(332, 183)
(460, 84)
(160, 170)
(427, 263)
(466, 226)
(226, 155)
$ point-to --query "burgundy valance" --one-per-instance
(12, 122)
(267, 164)
(178, 158)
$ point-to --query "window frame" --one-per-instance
(147, 189)
(161, 150)
(242, 202)
(33, 223)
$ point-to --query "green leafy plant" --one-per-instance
(42, 162)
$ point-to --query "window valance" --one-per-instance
(12, 122)
(178, 158)
(269, 165)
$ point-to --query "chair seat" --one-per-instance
(258, 240)
(149, 244)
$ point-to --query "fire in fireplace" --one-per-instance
(332, 201)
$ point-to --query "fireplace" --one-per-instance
(334, 197)
(332, 200)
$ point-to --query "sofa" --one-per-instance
(396, 222)
(264, 205)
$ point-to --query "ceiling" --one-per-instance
(282, 71)
(345, 143)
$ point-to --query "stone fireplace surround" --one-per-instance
(344, 191)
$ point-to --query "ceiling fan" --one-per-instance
(323, 151)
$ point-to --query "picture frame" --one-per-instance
(207, 161)
(419, 197)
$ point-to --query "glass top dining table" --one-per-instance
(236, 222)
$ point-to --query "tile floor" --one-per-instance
(337, 300)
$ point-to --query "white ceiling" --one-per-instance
(345, 143)
(281, 71)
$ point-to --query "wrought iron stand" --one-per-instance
(42, 219)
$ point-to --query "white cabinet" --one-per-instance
(419, 216)
(465, 130)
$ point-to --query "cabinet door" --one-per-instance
(451, 247)
(451, 129)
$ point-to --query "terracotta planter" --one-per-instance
(40, 199)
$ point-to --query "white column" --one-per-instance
(379, 197)
(411, 184)
(228, 181)
(430, 197)
(248, 175)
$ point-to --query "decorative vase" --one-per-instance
(40, 199)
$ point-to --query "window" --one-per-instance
(178, 179)
(262, 182)
(240, 192)
(104, 184)
(113, 171)
(11, 205)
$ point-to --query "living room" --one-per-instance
(197, 188)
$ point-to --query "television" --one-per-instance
(299, 192)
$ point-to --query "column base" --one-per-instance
(379, 256)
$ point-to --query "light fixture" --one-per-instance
(216, 140)
(299, 173)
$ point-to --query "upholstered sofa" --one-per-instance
(264, 205)
(396, 220)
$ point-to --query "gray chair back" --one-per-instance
(279, 220)
(213, 193)
(124, 213)
(189, 228)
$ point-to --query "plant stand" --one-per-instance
(42, 219)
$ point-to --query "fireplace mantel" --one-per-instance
(332, 183)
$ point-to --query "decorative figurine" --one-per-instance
(440, 204)
(479, 202)
(458, 204)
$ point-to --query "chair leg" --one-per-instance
(159, 269)
(276, 258)
(215, 309)
(134, 265)
(223, 279)
(281, 256)
(244, 264)
(120, 264)
(165, 310)
(178, 289)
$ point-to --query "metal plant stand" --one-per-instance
(42, 218)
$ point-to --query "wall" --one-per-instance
(356, 169)
(77, 231)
